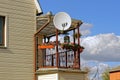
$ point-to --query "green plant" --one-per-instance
(77, 35)
(72, 46)
(105, 75)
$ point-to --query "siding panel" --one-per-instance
(16, 62)
(72, 76)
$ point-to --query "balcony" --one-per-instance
(54, 55)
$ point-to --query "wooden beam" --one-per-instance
(57, 56)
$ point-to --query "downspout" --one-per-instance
(35, 47)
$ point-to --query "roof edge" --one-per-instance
(114, 71)
(38, 7)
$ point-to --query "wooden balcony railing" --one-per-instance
(65, 60)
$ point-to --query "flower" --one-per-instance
(71, 46)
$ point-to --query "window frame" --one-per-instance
(4, 38)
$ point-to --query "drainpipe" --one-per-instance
(35, 43)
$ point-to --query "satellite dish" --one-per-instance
(62, 21)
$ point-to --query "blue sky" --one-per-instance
(103, 15)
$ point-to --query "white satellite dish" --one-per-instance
(62, 21)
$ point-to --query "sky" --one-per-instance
(100, 28)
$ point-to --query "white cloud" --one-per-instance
(85, 29)
(102, 47)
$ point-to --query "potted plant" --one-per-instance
(71, 46)
(66, 39)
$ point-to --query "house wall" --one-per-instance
(16, 61)
(53, 76)
(115, 76)
(66, 74)
(72, 76)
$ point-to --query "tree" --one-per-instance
(105, 75)
(99, 71)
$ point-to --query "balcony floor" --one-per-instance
(55, 70)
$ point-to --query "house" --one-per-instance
(21, 33)
(17, 28)
(115, 73)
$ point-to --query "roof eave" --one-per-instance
(38, 7)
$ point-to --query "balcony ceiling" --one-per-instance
(50, 29)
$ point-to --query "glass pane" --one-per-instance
(48, 60)
(70, 58)
(1, 29)
(62, 59)
(54, 60)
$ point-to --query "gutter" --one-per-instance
(114, 71)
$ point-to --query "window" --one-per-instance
(2, 30)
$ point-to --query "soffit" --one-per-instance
(50, 28)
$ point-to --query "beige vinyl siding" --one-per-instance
(72, 76)
(19, 3)
(16, 61)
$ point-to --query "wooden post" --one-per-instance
(37, 59)
(48, 39)
(57, 57)
(66, 59)
(78, 52)
(74, 62)
(44, 60)
(74, 36)
(78, 30)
